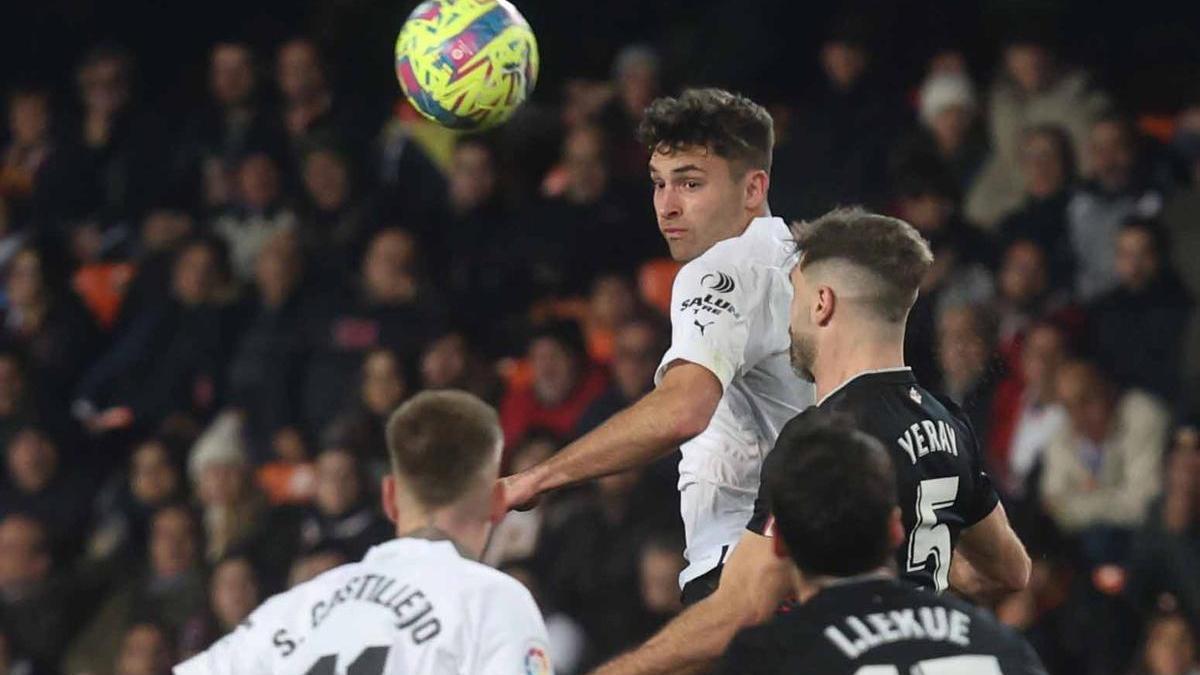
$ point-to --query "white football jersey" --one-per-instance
(411, 607)
(729, 313)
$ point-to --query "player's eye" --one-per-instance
(691, 184)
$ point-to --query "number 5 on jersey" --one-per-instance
(928, 536)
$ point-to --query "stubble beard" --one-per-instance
(803, 356)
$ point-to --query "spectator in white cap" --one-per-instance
(220, 475)
(949, 133)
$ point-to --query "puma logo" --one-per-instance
(702, 326)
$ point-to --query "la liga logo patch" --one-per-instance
(537, 662)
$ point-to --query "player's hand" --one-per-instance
(520, 491)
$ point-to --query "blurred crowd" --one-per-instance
(206, 320)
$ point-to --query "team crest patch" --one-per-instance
(537, 662)
(914, 395)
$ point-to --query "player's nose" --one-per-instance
(668, 205)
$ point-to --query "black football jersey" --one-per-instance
(881, 626)
(942, 486)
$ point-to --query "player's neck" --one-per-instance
(848, 359)
(810, 586)
(443, 527)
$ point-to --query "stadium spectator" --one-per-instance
(109, 167)
(146, 649)
(232, 510)
(382, 388)
(610, 230)
(966, 345)
(1115, 190)
(638, 346)
(123, 508)
(266, 368)
(289, 478)
(1180, 215)
(659, 565)
(1170, 647)
(636, 81)
(842, 132)
(169, 591)
(337, 218)
(1033, 88)
(30, 146)
(234, 591)
(47, 322)
(926, 199)
(611, 302)
(452, 362)
(1137, 329)
(343, 515)
(517, 536)
(1024, 295)
(37, 608)
(17, 409)
(1047, 165)
(256, 213)
(950, 131)
(1025, 415)
(1102, 468)
(44, 483)
(233, 124)
(1167, 550)
(311, 115)
(564, 383)
(171, 359)
(391, 306)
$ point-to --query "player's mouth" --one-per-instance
(674, 232)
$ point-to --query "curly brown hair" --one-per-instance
(729, 125)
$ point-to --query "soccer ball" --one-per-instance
(466, 64)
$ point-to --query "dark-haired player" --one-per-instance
(724, 388)
(855, 282)
(832, 492)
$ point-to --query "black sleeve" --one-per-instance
(750, 653)
(762, 515)
(983, 498)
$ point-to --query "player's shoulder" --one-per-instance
(491, 585)
(764, 244)
(769, 646)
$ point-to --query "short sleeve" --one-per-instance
(514, 636)
(983, 498)
(708, 320)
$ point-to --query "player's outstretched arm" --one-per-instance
(754, 583)
(989, 561)
(677, 410)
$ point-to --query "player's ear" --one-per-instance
(387, 494)
(896, 528)
(757, 184)
(822, 310)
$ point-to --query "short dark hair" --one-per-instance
(729, 125)
(889, 247)
(439, 441)
(831, 489)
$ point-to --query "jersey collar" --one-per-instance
(905, 370)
